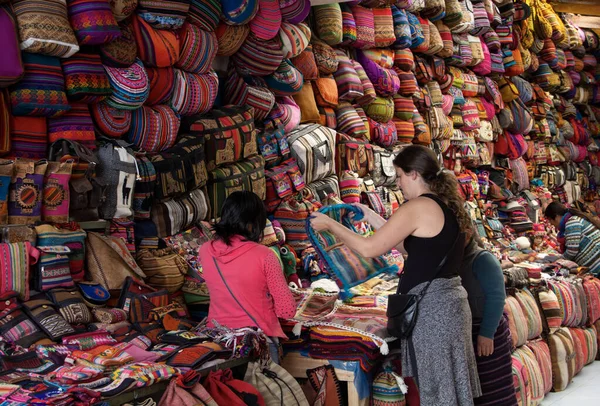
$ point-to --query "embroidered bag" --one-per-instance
(117, 170)
(292, 214)
(354, 155)
(25, 196)
(175, 215)
(71, 305)
(55, 196)
(164, 268)
(273, 146)
(124, 229)
(15, 265)
(53, 272)
(384, 173)
(73, 238)
(15, 324)
(44, 314)
(313, 147)
(282, 181)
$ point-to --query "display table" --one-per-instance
(296, 365)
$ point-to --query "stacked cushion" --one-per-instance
(130, 87)
(257, 57)
(198, 49)
(205, 14)
(122, 51)
(93, 21)
(162, 81)
(85, 78)
(29, 137)
(236, 13)
(166, 14)
(254, 94)
(294, 11)
(123, 9)
(265, 25)
(231, 38)
(194, 93)
(328, 20)
(294, 39)
(110, 121)
(153, 129)
(156, 48)
(286, 80)
(75, 125)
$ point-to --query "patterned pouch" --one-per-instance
(174, 308)
(53, 271)
(55, 196)
(25, 197)
(93, 294)
(190, 357)
(71, 305)
(151, 330)
(91, 340)
(15, 325)
(42, 311)
(142, 305)
(132, 287)
(110, 316)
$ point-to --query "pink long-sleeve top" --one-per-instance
(255, 277)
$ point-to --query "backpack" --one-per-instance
(86, 191)
(282, 181)
(313, 146)
(321, 189)
(353, 155)
(117, 169)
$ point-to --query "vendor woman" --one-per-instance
(430, 227)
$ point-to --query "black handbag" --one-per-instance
(403, 309)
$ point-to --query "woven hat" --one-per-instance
(231, 38)
(162, 81)
(122, 51)
(205, 14)
(265, 25)
(93, 22)
(156, 48)
(122, 9)
(85, 78)
(198, 49)
(194, 93)
(286, 80)
(164, 15)
(153, 129)
(294, 11)
(235, 12)
(110, 121)
(325, 56)
(74, 125)
(258, 58)
(41, 91)
(294, 39)
(130, 86)
(328, 20)
(306, 64)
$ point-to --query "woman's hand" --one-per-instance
(320, 222)
(485, 346)
(365, 209)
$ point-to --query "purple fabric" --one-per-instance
(385, 81)
(11, 68)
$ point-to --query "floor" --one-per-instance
(583, 391)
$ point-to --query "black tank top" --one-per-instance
(426, 254)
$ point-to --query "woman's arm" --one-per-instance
(402, 224)
(285, 305)
(489, 274)
(376, 222)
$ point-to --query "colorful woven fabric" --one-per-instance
(29, 137)
(198, 49)
(531, 311)
(265, 25)
(348, 25)
(25, 196)
(205, 14)
(385, 81)
(542, 355)
(41, 92)
(365, 27)
(194, 93)
(130, 86)
(258, 58)
(381, 109)
(294, 39)
(349, 122)
(521, 381)
(563, 355)
(110, 121)
(236, 13)
(369, 93)
(86, 80)
(294, 11)
(231, 38)
(15, 261)
(93, 21)
(238, 92)
(156, 48)
(162, 81)
(153, 129)
(75, 125)
(4, 122)
(122, 9)
(566, 301)
(54, 272)
(384, 27)
(349, 84)
(122, 51)
(286, 80)
(401, 28)
(306, 64)
(55, 196)
(328, 19)
(534, 374)
(12, 66)
(325, 57)
(49, 236)
(44, 27)
(517, 322)
(169, 14)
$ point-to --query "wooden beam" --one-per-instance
(590, 8)
(586, 21)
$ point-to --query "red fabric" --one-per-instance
(220, 384)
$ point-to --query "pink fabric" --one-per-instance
(255, 277)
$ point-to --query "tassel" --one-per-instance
(384, 349)
(297, 330)
(400, 382)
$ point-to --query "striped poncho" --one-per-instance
(582, 243)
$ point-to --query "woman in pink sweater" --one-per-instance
(245, 281)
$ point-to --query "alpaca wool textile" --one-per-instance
(130, 86)
(237, 13)
(231, 38)
(165, 14)
(121, 52)
(258, 58)
(294, 39)
(86, 80)
(194, 93)
(11, 70)
(205, 14)
(156, 48)
(109, 121)
(29, 137)
(75, 125)
(93, 21)
(153, 129)
(294, 11)
(198, 49)
(41, 92)
(162, 82)
(267, 22)
(44, 27)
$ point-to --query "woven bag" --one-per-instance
(164, 268)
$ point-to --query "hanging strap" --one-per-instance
(232, 295)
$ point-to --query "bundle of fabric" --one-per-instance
(29, 137)
(161, 82)
(93, 21)
(157, 48)
(294, 38)
(110, 121)
(75, 125)
(231, 38)
(153, 129)
(122, 51)
(169, 15)
(563, 355)
(194, 93)
(531, 311)
(258, 57)
(86, 80)
(130, 87)
(198, 49)
(205, 13)
(581, 351)
(41, 92)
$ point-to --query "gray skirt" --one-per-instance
(442, 347)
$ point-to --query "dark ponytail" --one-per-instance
(423, 161)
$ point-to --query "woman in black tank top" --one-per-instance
(430, 226)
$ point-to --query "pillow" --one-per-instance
(294, 38)
(349, 122)
(41, 92)
(28, 137)
(162, 83)
(11, 69)
(423, 45)
(153, 129)
(130, 87)
(384, 27)
(401, 29)
(286, 80)
(385, 81)
(85, 78)
(44, 27)
(74, 125)
(325, 57)
(405, 130)
(164, 15)
(230, 38)
(198, 49)
(349, 84)
(291, 113)
(365, 27)
(93, 21)
(369, 93)
(294, 11)
(109, 121)
(348, 25)
(205, 14)
(436, 44)
(156, 48)
(328, 20)
(123, 9)
(194, 93)
(122, 52)
(306, 64)
(258, 58)
(404, 59)
(305, 99)
(403, 107)
(416, 31)
(254, 94)
(446, 36)
(265, 25)
(384, 134)
(236, 13)
(408, 83)
(381, 109)
(381, 56)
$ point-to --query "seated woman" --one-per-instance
(430, 227)
(579, 237)
(245, 281)
(483, 280)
